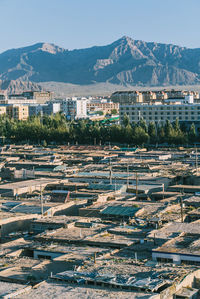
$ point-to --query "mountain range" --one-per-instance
(123, 62)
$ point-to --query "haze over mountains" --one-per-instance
(125, 62)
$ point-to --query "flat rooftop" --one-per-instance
(183, 244)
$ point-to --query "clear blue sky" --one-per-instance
(84, 23)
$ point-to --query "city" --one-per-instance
(100, 149)
(101, 217)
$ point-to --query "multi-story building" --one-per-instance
(151, 96)
(19, 112)
(127, 96)
(35, 109)
(17, 100)
(74, 108)
(39, 96)
(48, 109)
(101, 105)
(185, 110)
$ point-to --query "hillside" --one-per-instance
(124, 62)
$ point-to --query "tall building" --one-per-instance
(74, 108)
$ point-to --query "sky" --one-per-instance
(74, 24)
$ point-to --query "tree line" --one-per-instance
(58, 129)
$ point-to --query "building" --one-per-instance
(39, 96)
(2, 109)
(102, 105)
(185, 110)
(35, 109)
(74, 108)
(17, 100)
(127, 96)
(17, 111)
(48, 109)
(51, 108)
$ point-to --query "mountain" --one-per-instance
(18, 86)
(125, 61)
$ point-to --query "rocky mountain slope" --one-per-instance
(126, 61)
(18, 86)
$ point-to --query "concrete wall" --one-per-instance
(52, 255)
(15, 224)
(177, 258)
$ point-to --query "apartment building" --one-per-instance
(74, 108)
(48, 108)
(151, 96)
(127, 96)
(16, 111)
(185, 110)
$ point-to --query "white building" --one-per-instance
(185, 110)
(74, 108)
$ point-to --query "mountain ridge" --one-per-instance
(125, 61)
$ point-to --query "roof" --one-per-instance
(119, 211)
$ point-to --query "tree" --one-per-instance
(140, 136)
(126, 120)
(114, 111)
(192, 136)
(152, 132)
(142, 123)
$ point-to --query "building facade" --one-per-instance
(19, 112)
(105, 107)
(185, 110)
(74, 108)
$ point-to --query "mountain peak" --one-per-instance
(50, 48)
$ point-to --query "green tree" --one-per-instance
(192, 136)
(152, 133)
(126, 120)
(114, 111)
(140, 136)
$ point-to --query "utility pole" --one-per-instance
(127, 176)
(196, 162)
(110, 173)
(181, 203)
(136, 186)
(41, 199)
(163, 190)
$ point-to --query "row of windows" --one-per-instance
(161, 108)
(163, 118)
(164, 113)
